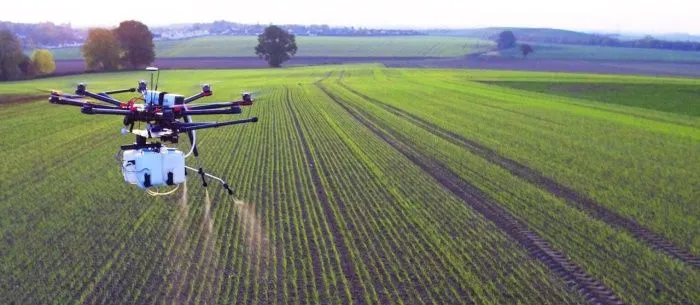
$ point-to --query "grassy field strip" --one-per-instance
(478, 296)
(286, 187)
(666, 123)
(293, 245)
(534, 217)
(351, 218)
(360, 241)
(354, 192)
(376, 197)
(344, 251)
(393, 46)
(245, 217)
(579, 201)
(656, 121)
(678, 100)
(325, 242)
(586, 52)
(390, 281)
(643, 156)
(108, 282)
(450, 225)
(48, 189)
(536, 76)
(31, 217)
(394, 280)
(369, 188)
(593, 290)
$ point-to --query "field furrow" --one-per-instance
(592, 289)
(361, 184)
(580, 201)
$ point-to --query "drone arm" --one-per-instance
(88, 109)
(120, 91)
(54, 99)
(197, 96)
(103, 98)
(232, 110)
(219, 105)
(194, 126)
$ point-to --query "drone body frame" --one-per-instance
(166, 116)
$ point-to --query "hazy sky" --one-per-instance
(609, 15)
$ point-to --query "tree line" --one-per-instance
(36, 35)
(506, 40)
(647, 42)
(14, 64)
(128, 46)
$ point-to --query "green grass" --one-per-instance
(673, 98)
(326, 212)
(583, 52)
(391, 46)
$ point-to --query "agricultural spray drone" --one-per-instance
(148, 163)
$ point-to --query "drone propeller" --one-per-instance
(59, 92)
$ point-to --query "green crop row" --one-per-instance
(644, 276)
(629, 163)
(326, 212)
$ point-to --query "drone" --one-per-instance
(148, 163)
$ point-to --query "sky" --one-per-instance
(615, 16)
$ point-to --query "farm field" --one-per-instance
(583, 52)
(362, 184)
(243, 46)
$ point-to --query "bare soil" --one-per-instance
(6, 99)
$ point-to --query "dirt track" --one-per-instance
(604, 67)
(581, 202)
(573, 275)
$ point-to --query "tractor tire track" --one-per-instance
(575, 277)
(346, 261)
(581, 202)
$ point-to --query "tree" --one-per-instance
(526, 49)
(136, 42)
(101, 49)
(506, 40)
(43, 62)
(11, 56)
(27, 66)
(276, 46)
